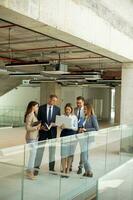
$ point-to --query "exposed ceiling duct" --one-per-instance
(69, 78)
(3, 72)
(48, 69)
(86, 76)
(55, 69)
(76, 79)
(25, 54)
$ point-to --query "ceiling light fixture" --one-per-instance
(21, 65)
(23, 74)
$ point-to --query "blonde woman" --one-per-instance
(32, 126)
(90, 123)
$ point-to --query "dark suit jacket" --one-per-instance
(42, 116)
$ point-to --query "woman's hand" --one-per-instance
(53, 124)
(38, 127)
(82, 130)
(62, 126)
(43, 128)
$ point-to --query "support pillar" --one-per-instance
(47, 89)
(127, 106)
(127, 94)
(117, 104)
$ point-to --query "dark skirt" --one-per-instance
(67, 132)
(68, 142)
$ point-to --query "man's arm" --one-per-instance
(59, 113)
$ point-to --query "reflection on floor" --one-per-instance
(117, 184)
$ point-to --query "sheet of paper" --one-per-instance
(64, 120)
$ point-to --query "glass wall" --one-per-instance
(11, 116)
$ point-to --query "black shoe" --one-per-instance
(88, 174)
(70, 169)
(79, 170)
(64, 176)
(36, 172)
(52, 170)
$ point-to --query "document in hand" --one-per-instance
(67, 121)
(36, 123)
(46, 126)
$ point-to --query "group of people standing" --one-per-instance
(40, 126)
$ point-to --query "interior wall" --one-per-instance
(46, 89)
(69, 94)
(20, 97)
(103, 94)
(66, 94)
(85, 92)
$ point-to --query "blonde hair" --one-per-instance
(90, 108)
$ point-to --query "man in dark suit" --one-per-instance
(47, 115)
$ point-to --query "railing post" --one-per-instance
(22, 178)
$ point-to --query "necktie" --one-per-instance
(49, 115)
(79, 113)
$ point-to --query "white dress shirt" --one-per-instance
(81, 112)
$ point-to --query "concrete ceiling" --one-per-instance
(21, 46)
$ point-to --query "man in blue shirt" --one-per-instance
(79, 112)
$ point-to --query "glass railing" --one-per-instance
(12, 116)
(12, 173)
(102, 148)
(117, 184)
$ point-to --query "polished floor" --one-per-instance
(16, 136)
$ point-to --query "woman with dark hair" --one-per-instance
(90, 123)
(32, 126)
(68, 147)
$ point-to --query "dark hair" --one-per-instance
(81, 98)
(70, 106)
(53, 96)
(29, 108)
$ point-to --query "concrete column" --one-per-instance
(49, 88)
(127, 105)
(69, 95)
(127, 93)
(117, 104)
(103, 94)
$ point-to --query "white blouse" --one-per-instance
(74, 121)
